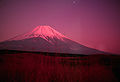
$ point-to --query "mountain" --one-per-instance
(46, 39)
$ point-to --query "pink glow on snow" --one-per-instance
(44, 32)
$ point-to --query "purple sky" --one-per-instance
(94, 23)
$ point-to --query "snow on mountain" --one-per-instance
(44, 32)
(46, 39)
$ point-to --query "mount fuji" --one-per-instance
(46, 39)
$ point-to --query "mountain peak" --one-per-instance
(39, 29)
(44, 32)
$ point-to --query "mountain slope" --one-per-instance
(46, 39)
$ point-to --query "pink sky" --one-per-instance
(94, 23)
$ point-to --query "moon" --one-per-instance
(74, 2)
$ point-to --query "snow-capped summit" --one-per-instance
(46, 39)
(45, 32)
